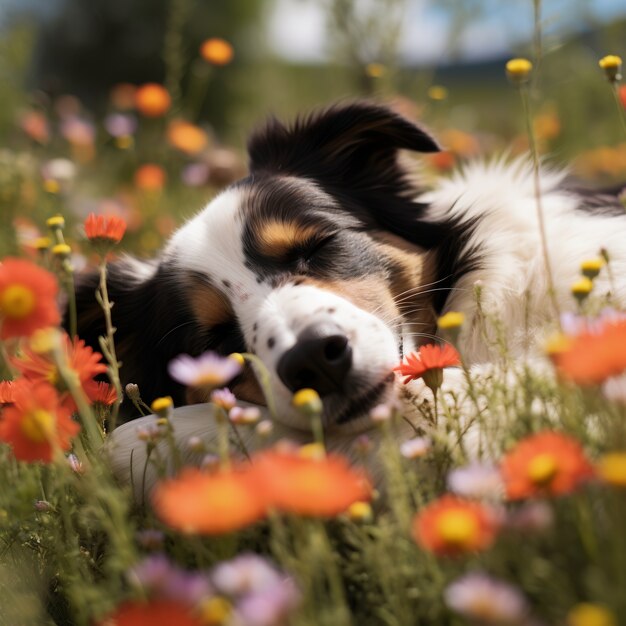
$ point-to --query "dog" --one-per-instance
(330, 262)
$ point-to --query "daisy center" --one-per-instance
(17, 302)
(542, 469)
(38, 425)
(457, 527)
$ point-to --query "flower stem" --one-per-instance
(618, 104)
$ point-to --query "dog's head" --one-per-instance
(318, 262)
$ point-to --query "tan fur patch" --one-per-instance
(277, 238)
(209, 305)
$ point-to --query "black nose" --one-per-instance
(320, 360)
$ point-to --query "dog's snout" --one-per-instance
(320, 360)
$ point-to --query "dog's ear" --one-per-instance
(352, 151)
(338, 144)
(152, 321)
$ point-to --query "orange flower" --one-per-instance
(160, 612)
(35, 125)
(79, 357)
(209, 504)
(317, 487)
(107, 230)
(216, 51)
(152, 100)
(27, 298)
(37, 423)
(7, 391)
(622, 95)
(188, 138)
(104, 394)
(546, 463)
(591, 357)
(452, 526)
(150, 177)
(428, 363)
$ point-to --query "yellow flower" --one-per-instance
(162, 406)
(375, 70)
(612, 469)
(437, 92)
(591, 267)
(42, 243)
(51, 186)
(214, 611)
(360, 512)
(56, 221)
(588, 614)
(557, 344)
(518, 70)
(312, 451)
(238, 357)
(611, 64)
(451, 320)
(61, 250)
(582, 288)
(307, 401)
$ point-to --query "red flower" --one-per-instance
(7, 391)
(209, 504)
(37, 423)
(104, 394)
(547, 463)
(428, 363)
(99, 228)
(622, 95)
(317, 487)
(153, 613)
(452, 526)
(152, 100)
(27, 298)
(591, 357)
(79, 357)
(150, 177)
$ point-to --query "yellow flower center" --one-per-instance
(612, 468)
(542, 469)
(452, 319)
(457, 527)
(38, 425)
(215, 611)
(17, 302)
(588, 614)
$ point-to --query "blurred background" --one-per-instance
(141, 107)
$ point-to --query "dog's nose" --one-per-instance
(320, 360)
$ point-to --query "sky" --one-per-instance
(297, 28)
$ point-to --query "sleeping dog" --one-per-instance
(329, 262)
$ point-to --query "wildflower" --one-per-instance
(152, 100)
(243, 574)
(360, 512)
(264, 428)
(195, 174)
(594, 356)
(216, 51)
(611, 468)
(104, 394)
(210, 504)
(42, 244)
(150, 433)
(381, 413)
(244, 416)
(35, 125)
(451, 320)
(546, 463)
(215, 610)
(61, 251)
(428, 363)
(518, 70)
(591, 267)
(150, 177)
(588, 614)
(415, 448)
(162, 406)
(78, 132)
(208, 370)
(56, 222)
(375, 70)
(104, 232)
(36, 424)
(476, 481)
(120, 125)
(611, 64)
(486, 600)
(156, 612)
(223, 398)
(269, 606)
(315, 487)
(75, 464)
(582, 288)
(60, 170)
(186, 137)
(437, 92)
(80, 359)
(453, 526)
(27, 298)
(307, 401)
(51, 186)
(7, 391)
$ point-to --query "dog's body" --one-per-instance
(328, 263)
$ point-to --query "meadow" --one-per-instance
(526, 530)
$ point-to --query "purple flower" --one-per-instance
(120, 125)
(244, 574)
(270, 606)
(482, 482)
(245, 416)
(415, 448)
(208, 370)
(224, 398)
(195, 174)
(531, 517)
(479, 597)
(78, 131)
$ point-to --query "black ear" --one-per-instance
(352, 151)
(153, 326)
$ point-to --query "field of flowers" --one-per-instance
(527, 530)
